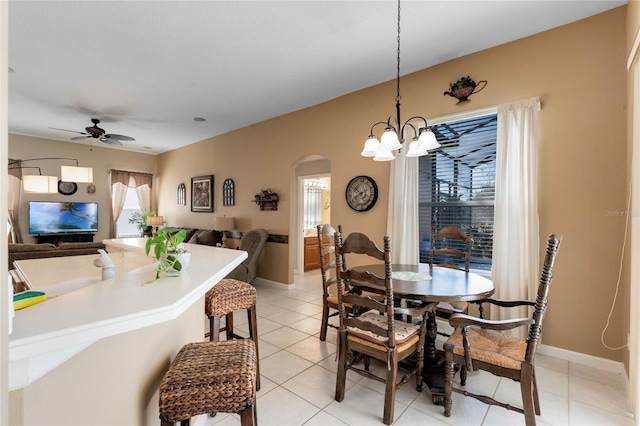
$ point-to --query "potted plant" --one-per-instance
(167, 248)
(140, 220)
(465, 87)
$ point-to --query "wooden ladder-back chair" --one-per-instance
(439, 251)
(329, 299)
(375, 333)
(479, 345)
(329, 283)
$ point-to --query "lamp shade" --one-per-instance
(389, 140)
(384, 156)
(225, 223)
(38, 184)
(76, 174)
(415, 150)
(428, 140)
(155, 220)
(370, 147)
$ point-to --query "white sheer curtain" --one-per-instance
(118, 194)
(402, 212)
(516, 235)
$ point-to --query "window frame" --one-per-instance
(425, 234)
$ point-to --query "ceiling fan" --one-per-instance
(98, 133)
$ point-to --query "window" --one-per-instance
(457, 185)
(131, 206)
(313, 202)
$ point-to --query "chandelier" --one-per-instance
(393, 136)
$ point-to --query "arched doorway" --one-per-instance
(312, 182)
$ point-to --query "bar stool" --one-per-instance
(225, 297)
(208, 378)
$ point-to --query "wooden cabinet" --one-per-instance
(312, 252)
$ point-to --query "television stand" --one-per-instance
(64, 238)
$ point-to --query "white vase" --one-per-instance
(167, 265)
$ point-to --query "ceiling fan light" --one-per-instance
(371, 146)
(38, 184)
(384, 155)
(389, 140)
(76, 174)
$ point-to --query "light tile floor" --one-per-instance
(299, 373)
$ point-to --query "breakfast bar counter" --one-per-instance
(108, 342)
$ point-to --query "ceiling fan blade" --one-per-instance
(78, 138)
(110, 141)
(72, 131)
(119, 137)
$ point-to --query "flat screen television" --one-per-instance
(47, 217)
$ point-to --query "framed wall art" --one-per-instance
(202, 194)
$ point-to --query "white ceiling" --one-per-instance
(147, 68)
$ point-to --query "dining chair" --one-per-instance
(329, 299)
(479, 345)
(376, 333)
(447, 245)
(329, 291)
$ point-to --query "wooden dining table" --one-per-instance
(432, 284)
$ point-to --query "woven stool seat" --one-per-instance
(229, 295)
(225, 297)
(210, 377)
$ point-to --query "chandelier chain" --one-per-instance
(398, 97)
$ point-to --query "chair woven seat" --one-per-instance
(490, 346)
(209, 377)
(229, 295)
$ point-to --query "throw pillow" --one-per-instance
(209, 238)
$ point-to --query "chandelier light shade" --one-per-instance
(76, 174)
(39, 184)
(393, 136)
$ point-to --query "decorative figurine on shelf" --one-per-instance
(266, 199)
(465, 87)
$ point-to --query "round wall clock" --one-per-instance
(361, 193)
(67, 188)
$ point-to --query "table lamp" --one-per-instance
(224, 224)
(155, 221)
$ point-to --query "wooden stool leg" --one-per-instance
(229, 325)
(214, 328)
(247, 417)
(253, 335)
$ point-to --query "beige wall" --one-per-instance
(101, 159)
(632, 256)
(578, 70)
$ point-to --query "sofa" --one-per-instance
(252, 242)
(17, 251)
(203, 236)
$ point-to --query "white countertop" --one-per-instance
(47, 334)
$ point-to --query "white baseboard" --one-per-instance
(590, 360)
(275, 284)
